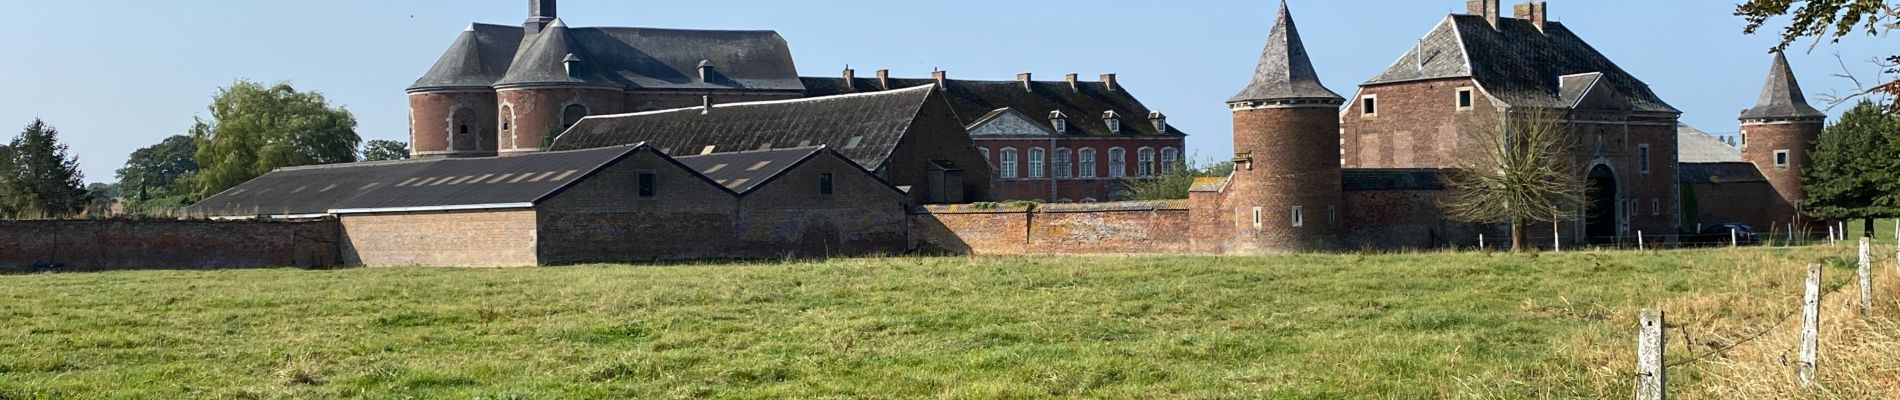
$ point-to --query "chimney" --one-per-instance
(943, 79)
(705, 104)
(1488, 9)
(540, 14)
(884, 79)
(1535, 12)
(1073, 85)
(1109, 80)
(850, 79)
(1028, 81)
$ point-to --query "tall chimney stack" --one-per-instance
(1073, 84)
(1535, 12)
(1028, 81)
(1488, 9)
(850, 79)
(943, 79)
(540, 14)
(1109, 80)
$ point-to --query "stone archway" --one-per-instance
(1600, 218)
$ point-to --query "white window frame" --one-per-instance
(1299, 216)
(1169, 157)
(1085, 162)
(1465, 94)
(1064, 162)
(1114, 125)
(1006, 163)
(1370, 99)
(1782, 159)
(1642, 158)
(1117, 162)
(1061, 125)
(1145, 162)
(1038, 158)
(1259, 217)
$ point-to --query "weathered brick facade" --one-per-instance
(452, 123)
(1080, 185)
(1789, 141)
(93, 245)
(1107, 228)
(471, 238)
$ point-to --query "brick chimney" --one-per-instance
(1109, 80)
(1028, 81)
(883, 79)
(850, 79)
(1073, 84)
(943, 79)
(1535, 12)
(1488, 9)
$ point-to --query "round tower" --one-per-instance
(1777, 135)
(549, 88)
(1285, 190)
(452, 108)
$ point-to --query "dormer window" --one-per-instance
(572, 64)
(1160, 121)
(707, 72)
(1114, 121)
(1059, 121)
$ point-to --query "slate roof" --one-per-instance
(741, 172)
(1517, 62)
(1781, 96)
(1695, 146)
(632, 58)
(438, 183)
(863, 127)
(1370, 179)
(973, 100)
(1285, 71)
(1720, 172)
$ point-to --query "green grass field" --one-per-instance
(1305, 326)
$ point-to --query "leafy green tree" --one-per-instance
(40, 178)
(1851, 173)
(254, 129)
(1515, 168)
(1175, 183)
(385, 150)
(150, 172)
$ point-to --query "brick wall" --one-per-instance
(1100, 188)
(1760, 141)
(152, 244)
(788, 216)
(537, 110)
(1102, 228)
(1416, 125)
(1752, 203)
(1407, 219)
(603, 219)
(474, 238)
(434, 119)
(937, 135)
(1295, 165)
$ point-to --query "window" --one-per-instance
(824, 184)
(1117, 162)
(1087, 160)
(572, 115)
(1169, 158)
(1062, 164)
(1145, 162)
(1062, 125)
(649, 183)
(1781, 158)
(1642, 158)
(1464, 99)
(1299, 217)
(1035, 163)
(1114, 125)
(1332, 216)
(1008, 163)
(462, 129)
(507, 127)
(986, 155)
(1655, 207)
(1369, 105)
(1259, 218)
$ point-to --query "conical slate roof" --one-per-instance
(1285, 72)
(1781, 97)
(544, 61)
(479, 57)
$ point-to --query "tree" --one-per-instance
(1831, 20)
(1851, 174)
(41, 179)
(254, 129)
(385, 150)
(1175, 183)
(151, 171)
(1515, 168)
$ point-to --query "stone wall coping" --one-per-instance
(1017, 208)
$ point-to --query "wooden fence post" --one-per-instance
(1866, 276)
(1649, 355)
(1810, 326)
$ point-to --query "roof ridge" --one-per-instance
(1285, 70)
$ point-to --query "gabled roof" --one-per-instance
(1002, 115)
(434, 184)
(1369, 179)
(1083, 104)
(1516, 62)
(635, 58)
(1695, 146)
(1285, 71)
(478, 58)
(864, 127)
(1720, 172)
(741, 172)
(1781, 96)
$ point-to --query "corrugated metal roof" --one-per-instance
(435, 183)
(742, 172)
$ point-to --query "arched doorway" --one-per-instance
(1601, 218)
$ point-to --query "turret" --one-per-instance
(551, 85)
(1777, 135)
(452, 107)
(1285, 190)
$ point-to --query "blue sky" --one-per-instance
(118, 75)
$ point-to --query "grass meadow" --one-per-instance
(1402, 326)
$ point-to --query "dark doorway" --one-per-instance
(1600, 226)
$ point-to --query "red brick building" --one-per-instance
(1759, 183)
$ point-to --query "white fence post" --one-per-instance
(1866, 276)
(1649, 355)
(1481, 243)
(1557, 241)
(1639, 241)
(1810, 326)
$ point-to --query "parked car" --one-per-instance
(1719, 234)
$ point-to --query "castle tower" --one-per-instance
(452, 108)
(551, 85)
(1284, 194)
(1777, 135)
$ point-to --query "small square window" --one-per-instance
(1781, 158)
(649, 183)
(462, 129)
(824, 184)
(1299, 217)
(1642, 158)
(1655, 207)
(1369, 105)
(1464, 98)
